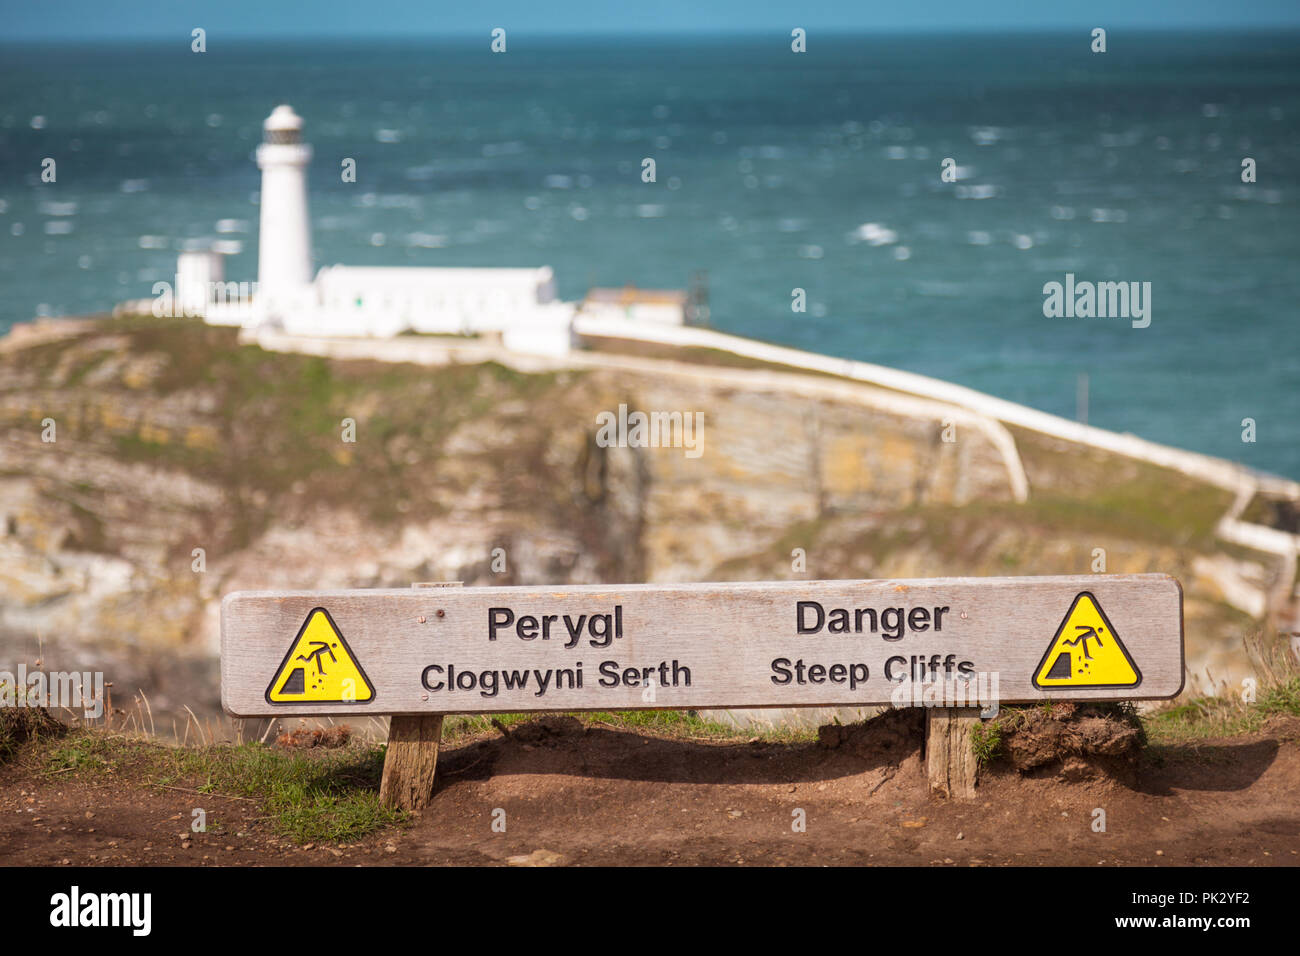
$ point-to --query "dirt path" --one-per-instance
(603, 795)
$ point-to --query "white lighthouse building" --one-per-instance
(520, 306)
(284, 267)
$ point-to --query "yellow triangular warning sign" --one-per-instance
(320, 668)
(1086, 651)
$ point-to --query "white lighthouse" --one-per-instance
(284, 270)
(519, 308)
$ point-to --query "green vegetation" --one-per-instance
(986, 741)
(1002, 537)
(267, 428)
(309, 795)
(1276, 694)
(1078, 489)
(1224, 716)
(680, 723)
(326, 794)
(315, 795)
(450, 336)
(1152, 512)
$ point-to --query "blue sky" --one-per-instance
(82, 19)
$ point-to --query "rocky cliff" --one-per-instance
(147, 467)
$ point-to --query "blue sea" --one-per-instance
(775, 171)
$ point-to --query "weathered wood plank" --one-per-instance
(777, 644)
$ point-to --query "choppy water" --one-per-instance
(775, 171)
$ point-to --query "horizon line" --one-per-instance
(833, 32)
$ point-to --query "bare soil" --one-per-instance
(592, 794)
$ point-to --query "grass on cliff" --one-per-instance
(268, 428)
(1201, 718)
(1274, 692)
(309, 796)
(1086, 489)
(327, 795)
(1144, 504)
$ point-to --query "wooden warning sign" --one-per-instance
(942, 642)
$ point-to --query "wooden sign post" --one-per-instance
(411, 757)
(942, 643)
